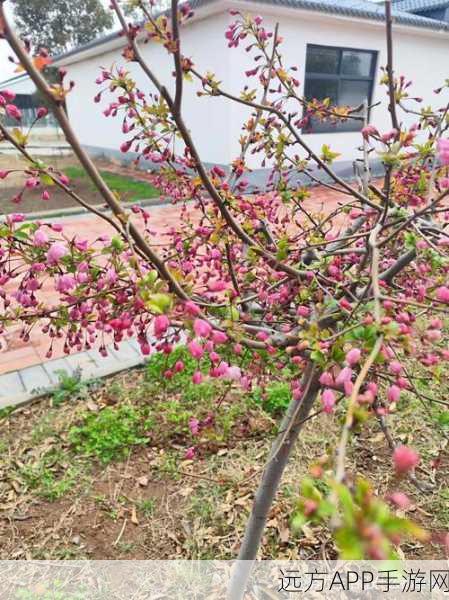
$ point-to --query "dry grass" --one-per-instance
(59, 504)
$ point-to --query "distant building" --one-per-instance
(28, 101)
(339, 46)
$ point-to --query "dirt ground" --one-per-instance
(156, 505)
(31, 200)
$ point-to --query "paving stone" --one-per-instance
(11, 385)
(126, 352)
(83, 362)
(35, 379)
(53, 367)
(103, 362)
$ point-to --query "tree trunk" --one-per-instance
(279, 455)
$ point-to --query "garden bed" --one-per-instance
(100, 471)
(129, 184)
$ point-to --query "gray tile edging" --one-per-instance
(24, 396)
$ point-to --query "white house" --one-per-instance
(339, 46)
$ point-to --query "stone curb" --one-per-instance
(25, 385)
(76, 211)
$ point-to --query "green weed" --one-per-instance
(109, 434)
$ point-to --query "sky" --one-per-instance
(7, 68)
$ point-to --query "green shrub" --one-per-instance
(109, 434)
(275, 398)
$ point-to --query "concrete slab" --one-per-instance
(53, 367)
(10, 384)
(35, 379)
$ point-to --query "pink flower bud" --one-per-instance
(45, 195)
(393, 393)
(197, 377)
(344, 376)
(195, 349)
(13, 112)
(56, 251)
(400, 499)
(303, 311)
(328, 399)
(202, 328)
(405, 459)
(327, 379)
(40, 238)
(161, 324)
(190, 453)
(219, 337)
(442, 293)
(353, 357)
(191, 308)
(395, 367)
(42, 112)
(31, 182)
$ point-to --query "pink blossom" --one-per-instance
(401, 500)
(344, 376)
(191, 308)
(328, 399)
(219, 337)
(202, 328)
(40, 238)
(405, 459)
(179, 366)
(161, 324)
(31, 182)
(443, 151)
(395, 367)
(13, 112)
(327, 379)
(8, 95)
(442, 293)
(234, 373)
(194, 426)
(15, 218)
(45, 195)
(217, 286)
(56, 251)
(190, 453)
(303, 311)
(353, 357)
(42, 112)
(393, 393)
(197, 377)
(65, 283)
(195, 349)
(369, 131)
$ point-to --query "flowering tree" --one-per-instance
(341, 299)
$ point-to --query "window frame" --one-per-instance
(339, 77)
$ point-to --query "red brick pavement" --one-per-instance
(16, 354)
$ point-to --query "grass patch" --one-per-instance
(110, 434)
(127, 188)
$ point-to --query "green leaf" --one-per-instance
(159, 303)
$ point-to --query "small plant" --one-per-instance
(69, 386)
(50, 591)
(147, 506)
(275, 398)
(44, 478)
(109, 434)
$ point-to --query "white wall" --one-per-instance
(420, 55)
(208, 119)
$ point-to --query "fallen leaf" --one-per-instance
(142, 481)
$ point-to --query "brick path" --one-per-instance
(24, 368)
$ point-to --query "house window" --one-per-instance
(344, 75)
